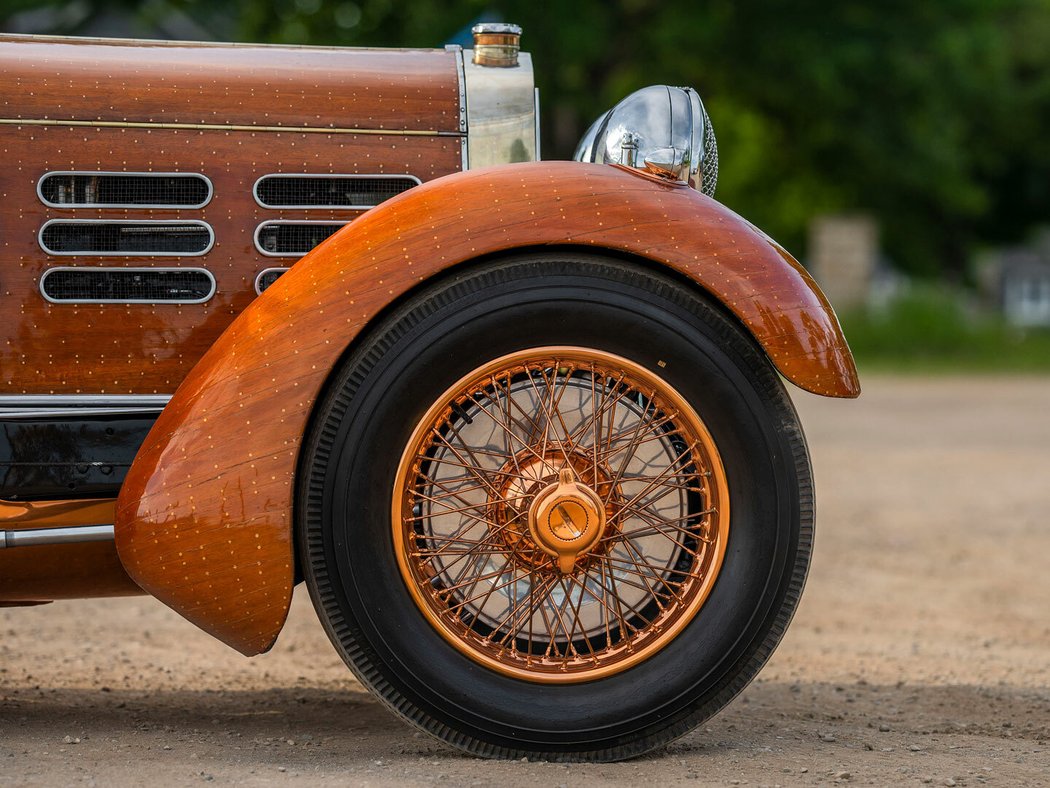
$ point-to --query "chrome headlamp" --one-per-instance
(661, 129)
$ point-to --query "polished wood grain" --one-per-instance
(69, 79)
(26, 515)
(50, 348)
(204, 521)
(47, 572)
(44, 573)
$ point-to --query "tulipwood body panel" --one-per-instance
(204, 520)
(171, 82)
(44, 573)
(230, 113)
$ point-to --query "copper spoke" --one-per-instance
(525, 446)
(595, 424)
(611, 441)
(552, 407)
(614, 583)
(464, 602)
(530, 602)
(608, 608)
(644, 575)
(628, 454)
(656, 527)
(656, 479)
(446, 461)
(488, 542)
(607, 406)
(637, 567)
(463, 510)
(477, 463)
(448, 493)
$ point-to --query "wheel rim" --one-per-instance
(560, 514)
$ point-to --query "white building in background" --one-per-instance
(1024, 286)
(842, 254)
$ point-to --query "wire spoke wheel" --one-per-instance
(556, 506)
(560, 514)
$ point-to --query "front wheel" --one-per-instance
(558, 506)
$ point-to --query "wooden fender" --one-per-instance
(204, 519)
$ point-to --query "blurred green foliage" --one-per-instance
(931, 116)
(930, 328)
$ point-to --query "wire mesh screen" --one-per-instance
(293, 239)
(126, 238)
(140, 190)
(334, 191)
(709, 167)
(123, 285)
(267, 278)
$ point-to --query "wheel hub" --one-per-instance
(531, 477)
(566, 519)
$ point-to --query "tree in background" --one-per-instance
(931, 116)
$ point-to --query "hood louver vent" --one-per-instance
(107, 237)
(358, 192)
(292, 239)
(124, 190)
(127, 285)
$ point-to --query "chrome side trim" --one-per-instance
(33, 406)
(48, 413)
(84, 400)
(52, 536)
(350, 175)
(204, 271)
(130, 206)
(457, 52)
(127, 124)
(464, 147)
(461, 75)
(296, 255)
(138, 222)
(261, 274)
(162, 43)
(536, 109)
(501, 112)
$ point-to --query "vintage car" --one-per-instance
(277, 314)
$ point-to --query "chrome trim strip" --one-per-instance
(296, 255)
(49, 271)
(49, 413)
(50, 536)
(501, 110)
(259, 276)
(177, 44)
(464, 146)
(123, 124)
(536, 111)
(457, 51)
(140, 222)
(135, 206)
(261, 178)
(83, 400)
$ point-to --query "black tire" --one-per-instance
(383, 387)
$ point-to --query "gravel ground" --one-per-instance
(919, 654)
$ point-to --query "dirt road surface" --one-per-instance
(920, 654)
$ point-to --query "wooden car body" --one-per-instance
(152, 195)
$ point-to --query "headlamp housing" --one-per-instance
(661, 129)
